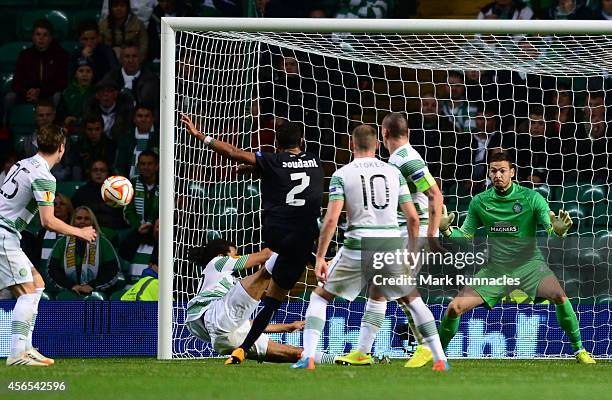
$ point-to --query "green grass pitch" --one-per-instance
(147, 378)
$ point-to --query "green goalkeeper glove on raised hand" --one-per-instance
(562, 223)
(445, 221)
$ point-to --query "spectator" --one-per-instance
(145, 137)
(144, 208)
(41, 71)
(100, 56)
(45, 116)
(538, 151)
(432, 136)
(506, 9)
(141, 249)
(283, 8)
(89, 195)
(568, 9)
(594, 145)
(142, 9)
(78, 93)
(594, 107)
(115, 108)
(363, 9)
(134, 80)
(165, 8)
(63, 210)
(485, 136)
(606, 10)
(147, 287)
(456, 108)
(93, 145)
(121, 26)
(80, 266)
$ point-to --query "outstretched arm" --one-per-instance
(223, 148)
(280, 328)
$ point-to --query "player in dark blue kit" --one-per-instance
(292, 193)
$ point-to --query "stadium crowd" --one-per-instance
(96, 73)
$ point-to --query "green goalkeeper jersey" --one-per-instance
(511, 218)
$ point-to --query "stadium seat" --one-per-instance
(68, 188)
(56, 17)
(545, 191)
(95, 296)
(8, 55)
(567, 193)
(591, 193)
(117, 295)
(46, 296)
(21, 120)
(67, 295)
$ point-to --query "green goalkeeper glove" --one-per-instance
(445, 221)
(562, 223)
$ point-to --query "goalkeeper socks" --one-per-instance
(426, 326)
(261, 321)
(415, 332)
(20, 327)
(39, 292)
(315, 321)
(568, 321)
(372, 320)
(324, 358)
(448, 329)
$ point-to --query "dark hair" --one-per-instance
(502, 156)
(289, 135)
(45, 103)
(149, 153)
(130, 44)
(536, 109)
(143, 106)
(111, 21)
(87, 25)
(395, 123)
(94, 119)
(203, 254)
(49, 138)
(43, 23)
(364, 138)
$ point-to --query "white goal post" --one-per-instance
(410, 53)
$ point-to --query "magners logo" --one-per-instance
(503, 227)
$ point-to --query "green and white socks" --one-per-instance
(425, 326)
(315, 322)
(372, 320)
(22, 321)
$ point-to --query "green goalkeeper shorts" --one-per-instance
(530, 276)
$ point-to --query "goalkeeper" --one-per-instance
(510, 213)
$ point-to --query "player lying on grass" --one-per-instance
(510, 213)
(291, 197)
(220, 312)
(428, 202)
(372, 191)
(29, 188)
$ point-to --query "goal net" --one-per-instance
(544, 98)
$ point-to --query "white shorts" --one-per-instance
(15, 267)
(226, 323)
(344, 274)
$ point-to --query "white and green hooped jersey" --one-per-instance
(372, 190)
(28, 184)
(215, 282)
(419, 179)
